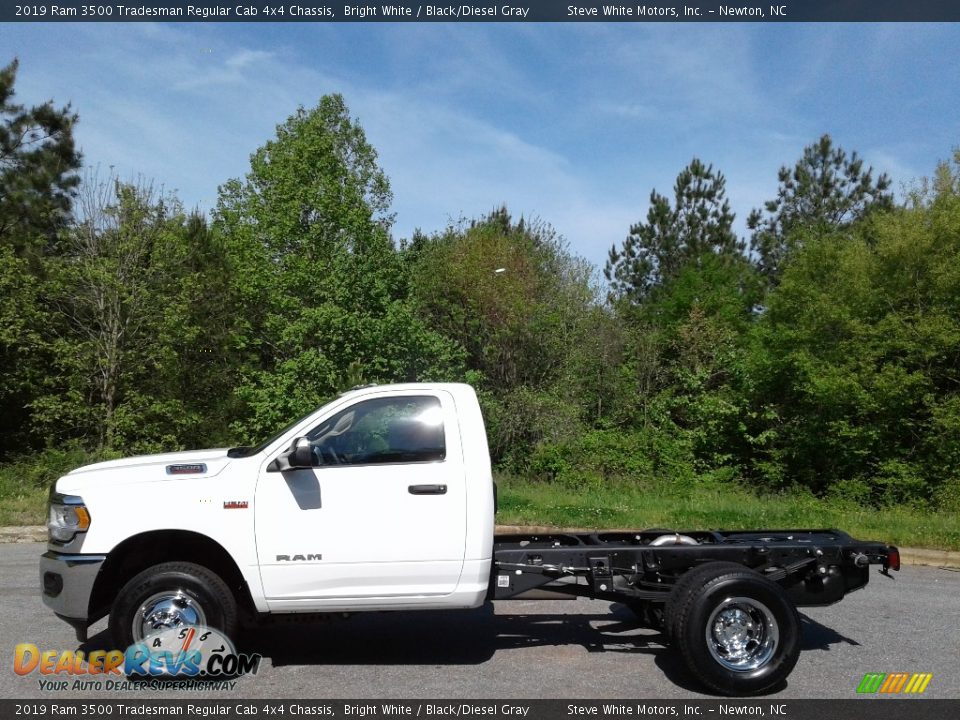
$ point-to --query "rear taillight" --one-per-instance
(893, 559)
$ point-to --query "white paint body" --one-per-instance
(361, 540)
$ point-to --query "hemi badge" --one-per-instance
(235, 505)
(194, 469)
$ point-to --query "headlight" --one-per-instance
(68, 516)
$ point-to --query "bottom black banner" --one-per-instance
(854, 709)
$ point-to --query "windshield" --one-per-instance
(243, 451)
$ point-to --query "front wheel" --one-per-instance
(737, 631)
(171, 595)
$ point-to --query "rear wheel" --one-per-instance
(689, 583)
(171, 595)
(736, 630)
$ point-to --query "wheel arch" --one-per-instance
(139, 552)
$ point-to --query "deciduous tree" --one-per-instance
(319, 289)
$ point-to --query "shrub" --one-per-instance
(604, 456)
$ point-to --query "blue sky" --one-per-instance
(570, 123)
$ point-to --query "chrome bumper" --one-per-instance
(66, 582)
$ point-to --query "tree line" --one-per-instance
(820, 352)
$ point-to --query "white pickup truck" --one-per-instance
(384, 500)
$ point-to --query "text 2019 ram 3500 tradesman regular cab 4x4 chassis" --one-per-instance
(384, 500)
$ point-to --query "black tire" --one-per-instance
(205, 597)
(762, 646)
(689, 583)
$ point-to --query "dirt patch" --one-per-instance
(23, 533)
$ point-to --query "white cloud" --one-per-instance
(571, 123)
(890, 161)
(243, 58)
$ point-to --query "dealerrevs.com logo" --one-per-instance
(193, 654)
(895, 683)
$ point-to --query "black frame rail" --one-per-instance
(815, 567)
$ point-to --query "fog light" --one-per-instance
(52, 584)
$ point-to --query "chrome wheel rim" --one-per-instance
(742, 634)
(165, 610)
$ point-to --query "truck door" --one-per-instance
(381, 515)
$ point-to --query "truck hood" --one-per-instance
(148, 468)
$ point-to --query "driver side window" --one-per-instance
(383, 430)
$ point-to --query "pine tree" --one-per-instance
(37, 184)
(826, 190)
(698, 221)
(38, 161)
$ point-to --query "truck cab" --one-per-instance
(381, 499)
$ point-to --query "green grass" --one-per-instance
(22, 506)
(25, 482)
(22, 501)
(716, 506)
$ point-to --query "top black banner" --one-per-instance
(541, 11)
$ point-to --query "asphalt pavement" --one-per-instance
(576, 649)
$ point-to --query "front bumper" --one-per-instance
(67, 582)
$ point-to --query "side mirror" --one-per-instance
(300, 455)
